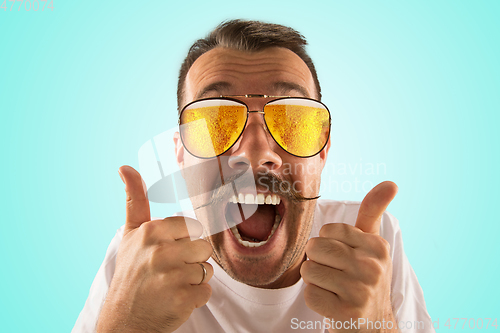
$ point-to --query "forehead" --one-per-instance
(273, 71)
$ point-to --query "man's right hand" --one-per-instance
(155, 287)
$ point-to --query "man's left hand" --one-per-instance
(349, 271)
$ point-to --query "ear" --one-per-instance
(179, 150)
(323, 154)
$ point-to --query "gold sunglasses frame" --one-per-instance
(275, 98)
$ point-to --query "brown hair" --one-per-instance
(247, 36)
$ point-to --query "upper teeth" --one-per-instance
(258, 199)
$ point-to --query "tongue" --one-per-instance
(257, 226)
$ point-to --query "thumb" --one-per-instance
(137, 201)
(374, 205)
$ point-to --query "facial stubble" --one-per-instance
(263, 270)
(296, 224)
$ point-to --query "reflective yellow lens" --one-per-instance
(210, 130)
(301, 130)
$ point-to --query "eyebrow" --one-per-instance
(285, 87)
(218, 87)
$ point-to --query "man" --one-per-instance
(293, 263)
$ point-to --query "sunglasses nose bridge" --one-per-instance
(255, 145)
(257, 112)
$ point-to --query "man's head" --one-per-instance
(247, 36)
(241, 58)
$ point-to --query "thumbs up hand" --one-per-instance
(159, 279)
(349, 272)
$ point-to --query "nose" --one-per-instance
(255, 147)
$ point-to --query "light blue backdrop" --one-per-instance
(413, 87)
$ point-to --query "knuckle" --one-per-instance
(354, 312)
(326, 229)
(311, 297)
(148, 230)
(315, 300)
(156, 258)
(335, 249)
(205, 292)
(311, 246)
(175, 227)
(180, 299)
(163, 255)
(384, 248)
(374, 270)
(319, 274)
(175, 275)
(193, 226)
(305, 270)
(186, 299)
(334, 229)
(362, 294)
(380, 246)
(308, 297)
(340, 230)
(324, 248)
(206, 248)
(345, 229)
(367, 294)
(200, 248)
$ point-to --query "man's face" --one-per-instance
(275, 72)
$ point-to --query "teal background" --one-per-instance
(412, 85)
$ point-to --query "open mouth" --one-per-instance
(255, 230)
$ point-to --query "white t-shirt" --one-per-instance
(237, 307)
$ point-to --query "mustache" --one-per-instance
(282, 186)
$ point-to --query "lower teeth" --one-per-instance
(255, 242)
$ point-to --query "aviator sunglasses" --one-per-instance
(211, 126)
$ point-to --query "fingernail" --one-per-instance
(121, 176)
(123, 180)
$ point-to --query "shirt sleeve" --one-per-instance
(87, 320)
